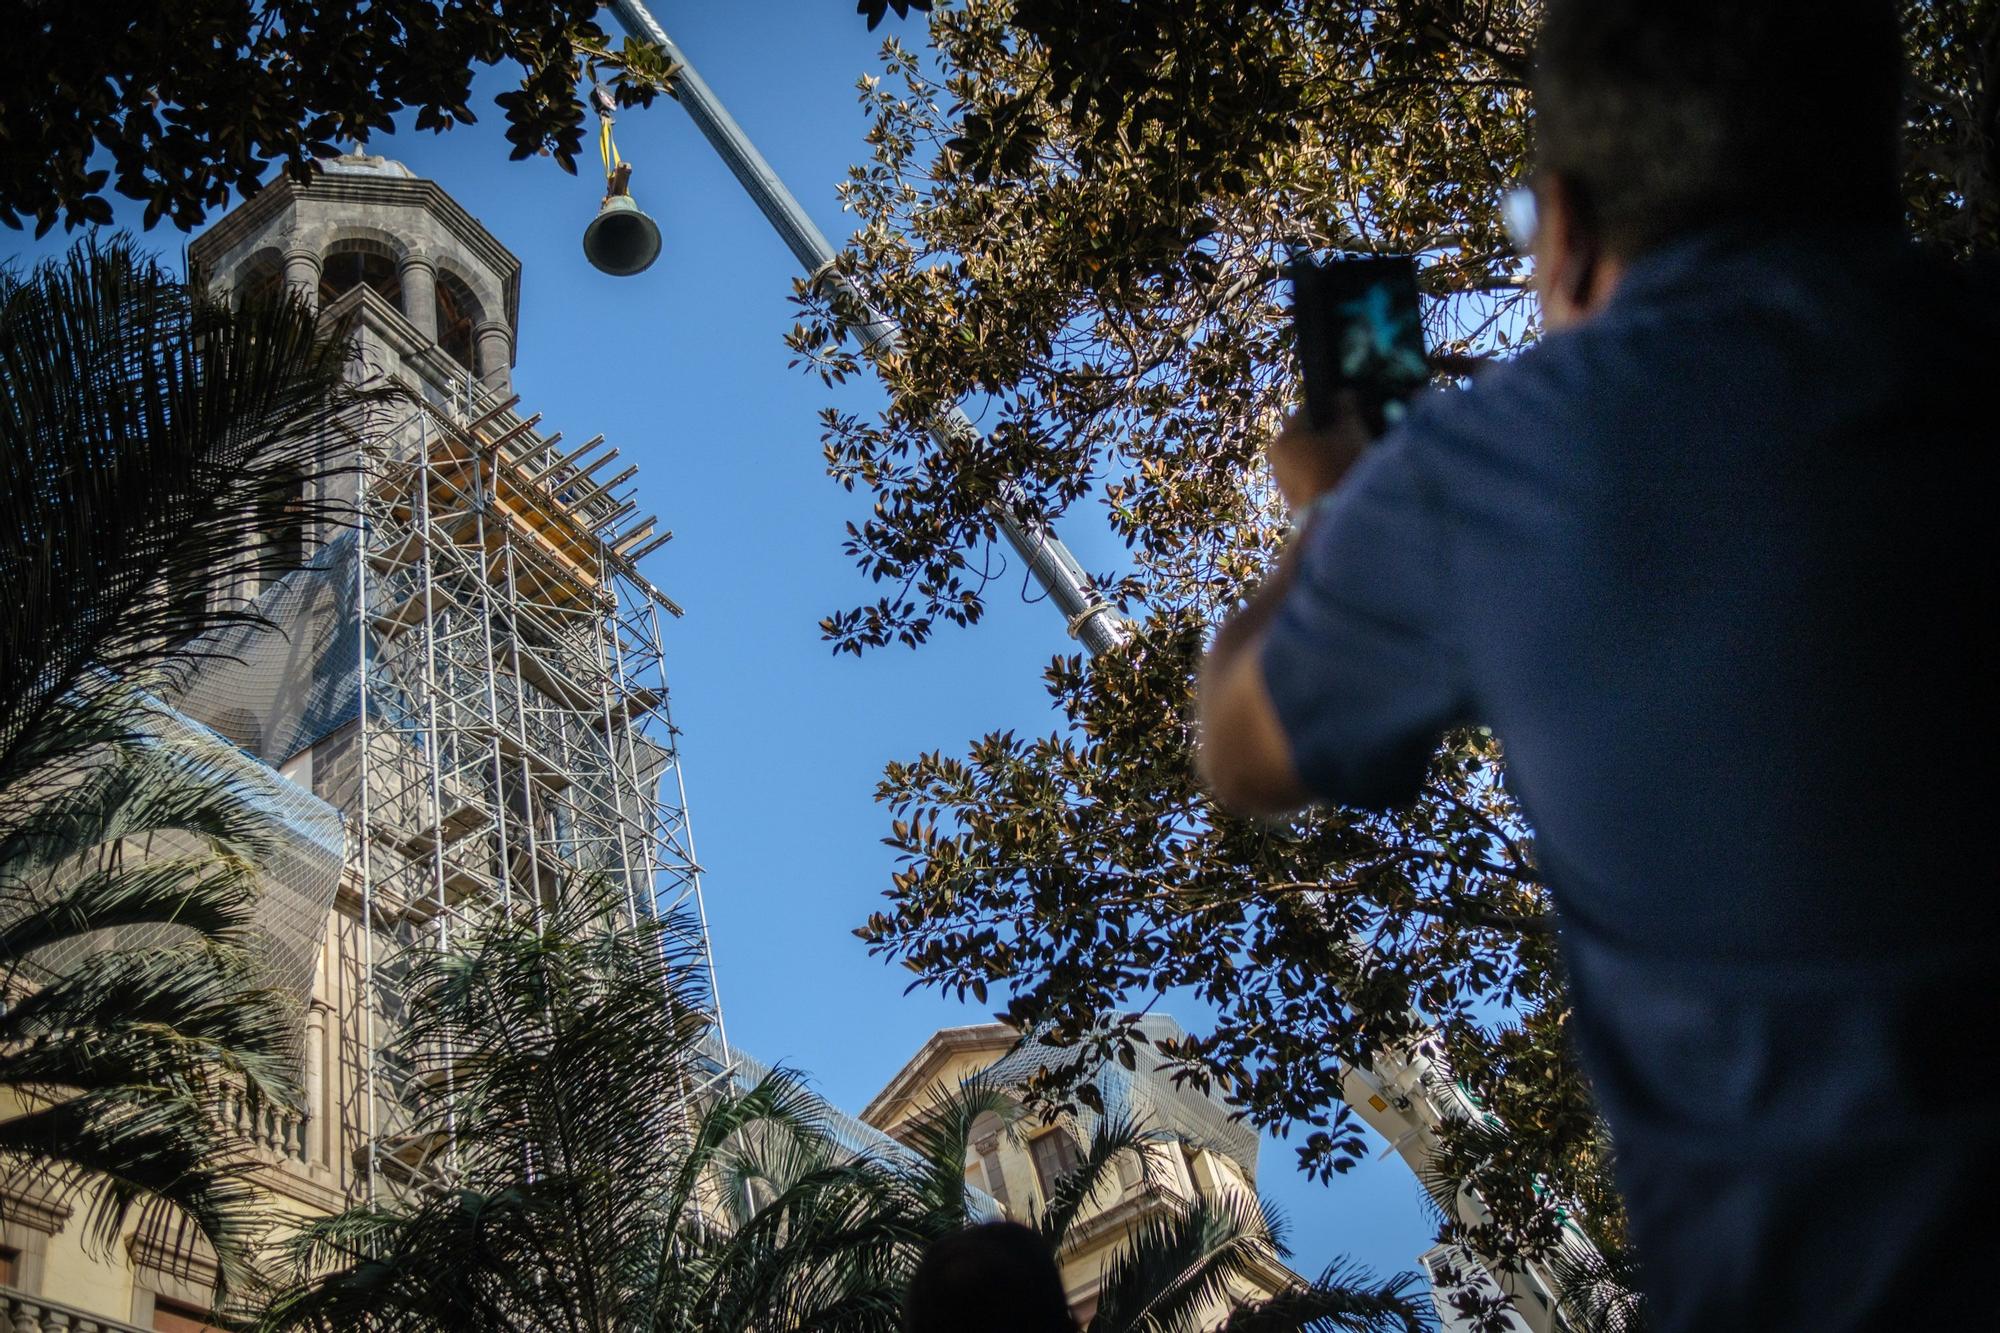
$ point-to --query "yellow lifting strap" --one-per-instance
(608, 149)
(616, 173)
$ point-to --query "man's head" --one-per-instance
(996, 1278)
(1656, 118)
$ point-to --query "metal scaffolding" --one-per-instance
(513, 726)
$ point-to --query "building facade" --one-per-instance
(461, 698)
(1196, 1150)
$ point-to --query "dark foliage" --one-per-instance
(179, 102)
(586, 1169)
(148, 436)
(118, 1051)
(1079, 220)
(875, 9)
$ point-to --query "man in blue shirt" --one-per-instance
(1714, 561)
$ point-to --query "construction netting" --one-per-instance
(279, 683)
(136, 802)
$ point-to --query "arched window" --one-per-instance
(1055, 1157)
(351, 264)
(261, 275)
(458, 313)
(985, 1142)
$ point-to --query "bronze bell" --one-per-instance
(621, 240)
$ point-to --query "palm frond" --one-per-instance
(85, 797)
(1180, 1263)
(148, 436)
(453, 1262)
(1115, 1138)
(213, 896)
(556, 1054)
(134, 1153)
(1342, 1300)
(770, 1159)
(835, 1245)
(320, 1243)
(941, 1134)
(780, 1101)
(1598, 1286)
(700, 1255)
(92, 721)
(169, 1019)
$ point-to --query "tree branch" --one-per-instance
(1456, 913)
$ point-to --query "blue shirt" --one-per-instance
(1716, 568)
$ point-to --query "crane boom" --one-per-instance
(1089, 616)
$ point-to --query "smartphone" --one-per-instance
(1359, 327)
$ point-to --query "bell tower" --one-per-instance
(449, 293)
(471, 670)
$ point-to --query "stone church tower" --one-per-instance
(459, 702)
(370, 222)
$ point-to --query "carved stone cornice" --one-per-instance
(25, 1204)
(259, 210)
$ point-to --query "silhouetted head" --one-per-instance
(1654, 120)
(996, 1278)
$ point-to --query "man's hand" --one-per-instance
(1307, 463)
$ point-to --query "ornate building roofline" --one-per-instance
(919, 1072)
(258, 212)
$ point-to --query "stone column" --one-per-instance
(420, 294)
(313, 1146)
(493, 354)
(302, 267)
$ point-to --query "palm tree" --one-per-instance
(1178, 1267)
(591, 1168)
(812, 1234)
(579, 1162)
(130, 1000)
(146, 434)
(1183, 1261)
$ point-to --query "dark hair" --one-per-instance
(996, 1278)
(1669, 115)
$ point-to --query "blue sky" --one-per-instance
(684, 369)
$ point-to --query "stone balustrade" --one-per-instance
(275, 1131)
(22, 1313)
